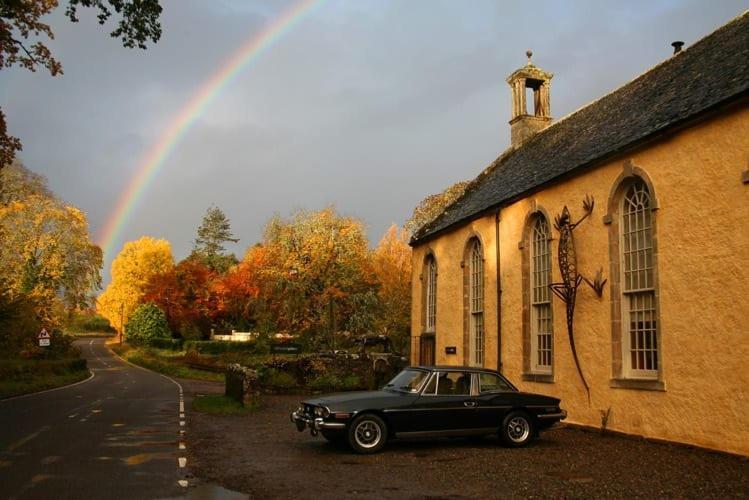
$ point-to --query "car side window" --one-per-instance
(452, 384)
(488, 382)
(430, 389)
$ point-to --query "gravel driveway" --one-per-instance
(263, 455)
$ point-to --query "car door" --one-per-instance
(494, 399)
(446, 404)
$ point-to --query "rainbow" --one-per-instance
(155, 158)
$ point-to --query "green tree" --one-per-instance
(214, 231)
(147, 322)
(21, 19)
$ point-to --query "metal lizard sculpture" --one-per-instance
(571, 278)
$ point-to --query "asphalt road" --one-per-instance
(119, 434)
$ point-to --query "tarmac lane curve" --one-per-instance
(119, 434)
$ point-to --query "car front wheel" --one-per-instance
(367, 434)
(517, 429)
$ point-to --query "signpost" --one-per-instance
(44, 338)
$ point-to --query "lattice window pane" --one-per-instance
(541, 320)
(641, 332)
(476, 303)
(431, 296)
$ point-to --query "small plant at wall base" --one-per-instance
(147, 322)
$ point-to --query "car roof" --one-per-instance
(454, 368)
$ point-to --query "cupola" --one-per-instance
(529, 83)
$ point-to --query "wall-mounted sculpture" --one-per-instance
(571, 278)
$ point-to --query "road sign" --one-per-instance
(44, 338)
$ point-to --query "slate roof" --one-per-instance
(713, 71)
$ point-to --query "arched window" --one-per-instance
(430, 306)
(638, 288)
(475, 303)
(541, 320)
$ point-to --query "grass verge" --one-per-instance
(217, 404)
(28, 376)
(164, 361)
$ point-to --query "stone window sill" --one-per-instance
(545, 378)
(637, 384)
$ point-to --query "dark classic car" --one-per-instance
(430, 401)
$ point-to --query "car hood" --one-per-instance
(363, 399)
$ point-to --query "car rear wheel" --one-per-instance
(517, 429)
(367, 434)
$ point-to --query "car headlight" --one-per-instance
(321, 411)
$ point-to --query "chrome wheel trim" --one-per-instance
(367, 434)
(518, 429)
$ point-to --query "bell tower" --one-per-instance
(529, 83)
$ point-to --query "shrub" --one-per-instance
(218, 346)
(146, 323)
(162, 343)
(277, 379)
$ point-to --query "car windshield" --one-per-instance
(407, 381)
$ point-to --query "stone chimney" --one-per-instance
(523, 125)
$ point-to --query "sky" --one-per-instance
(369, 105)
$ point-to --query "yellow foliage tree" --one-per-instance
(45, 251)
(391, 262)
(132, 269)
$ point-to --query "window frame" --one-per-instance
(629, 219)
(537, 305)
(621, 377)
(475, 293)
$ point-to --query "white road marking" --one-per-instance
(182, 446)
(182, 482)
(181, 415)
(182, 461)
(181, 406)
(181, 423)
(73, 415)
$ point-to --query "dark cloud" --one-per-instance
(370, 105)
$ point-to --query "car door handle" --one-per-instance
(469, 404)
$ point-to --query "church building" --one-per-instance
(603, 258)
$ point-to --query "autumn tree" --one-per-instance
(213, 233)
(238, 292)
(132, 270)
(21, 27)
(391, 261)
(433, 205)
(185, 294)
(46, 253)
(317, 268)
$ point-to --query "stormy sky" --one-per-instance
(366, 104)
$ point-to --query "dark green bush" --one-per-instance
(218, 346)
(162, 343)
(146, 323)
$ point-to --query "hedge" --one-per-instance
(161, 343)
(14, 369)
(218, 346)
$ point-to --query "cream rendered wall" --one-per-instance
(703, 273)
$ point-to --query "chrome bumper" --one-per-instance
(316, 424)
(554, 416)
